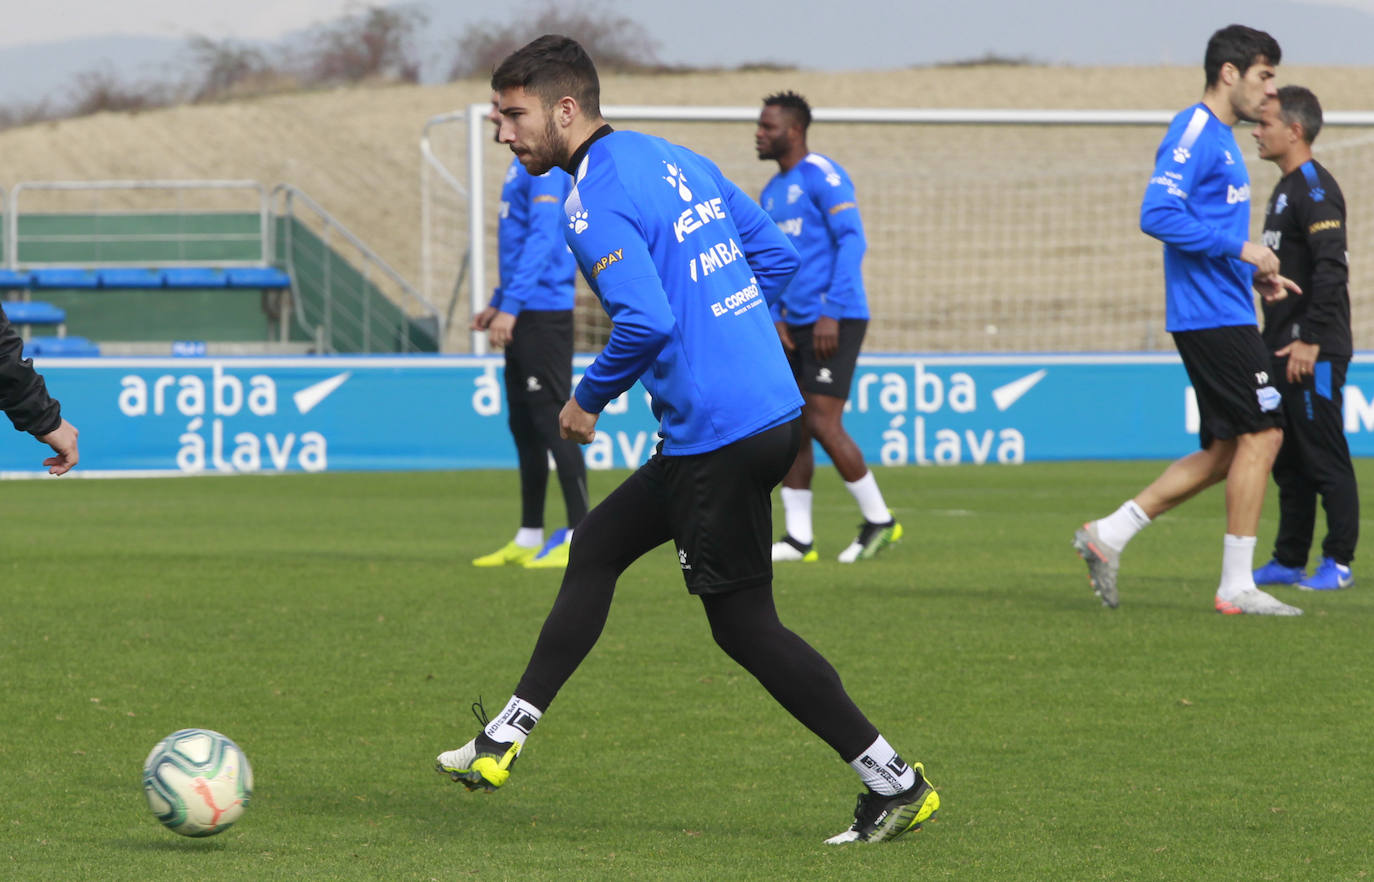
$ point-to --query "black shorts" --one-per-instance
(1229, 368)
(539, 357)
(717, 507)
(833, 376)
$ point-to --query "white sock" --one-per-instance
(1237, 566)
(1120, 527)
(515, 722)
(883, 770)
(865, 492)
(796, 508)
(530, 537)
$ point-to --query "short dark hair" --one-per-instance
(551, 67)
(1298, 105)
(793, 104)
(1238, 45)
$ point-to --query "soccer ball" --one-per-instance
(197, 781)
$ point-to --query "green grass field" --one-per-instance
(332, 626)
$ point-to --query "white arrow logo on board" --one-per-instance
(310, 396)
(1005, 396)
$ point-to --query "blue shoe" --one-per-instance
(1330, 576)
(1275, 573)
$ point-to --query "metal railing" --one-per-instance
(180, 240)
(360, 304)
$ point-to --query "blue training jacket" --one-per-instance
(1198, 204)
(813, 203)
(537, 271)
(685, 264)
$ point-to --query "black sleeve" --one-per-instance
(1323, 223)
(23, 394)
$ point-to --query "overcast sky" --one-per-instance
(55, 20)
(849, 35)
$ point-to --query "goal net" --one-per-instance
(988, 231)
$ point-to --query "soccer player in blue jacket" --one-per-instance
(821, 319)
(1198, 204)
(685, 264)
(530, 316)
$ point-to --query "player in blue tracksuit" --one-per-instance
(530, 316)
(703, 342)
(1198, 204)
(686, 265)
(821, 319)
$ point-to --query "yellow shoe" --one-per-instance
(481, 764)
(881, 818)
(555, 558)
(510, 553)
(554, 554)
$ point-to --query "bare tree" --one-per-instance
(221, 68)
(616, 42)
(15, 115)
(100, 91)
(377, 42)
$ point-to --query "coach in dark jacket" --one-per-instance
(24, 399)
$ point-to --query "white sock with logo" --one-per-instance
(1120, 527)
(530, 537)
(796, 508)
(515, 722)
(865, 492)
(882, 770)
(1237, 566)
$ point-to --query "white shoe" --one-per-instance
(481, 764)
(1103, 562)
(872, 539)
(788, 548)
(1255, 603)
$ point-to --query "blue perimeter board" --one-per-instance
(403, 413)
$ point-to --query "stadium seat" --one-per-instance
(145, 278)
(64, 277)
(194, 277)
(60, 347)
(258, 277)
(34, 312)
(131, 277)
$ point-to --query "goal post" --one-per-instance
(988, 230)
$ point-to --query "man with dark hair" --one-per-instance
(685, 264)
(1198, 204)
(1310, 340)
(821, 319)
(24, 399)
(530, 316)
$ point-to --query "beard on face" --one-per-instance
(548, 151)
(770, 149)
